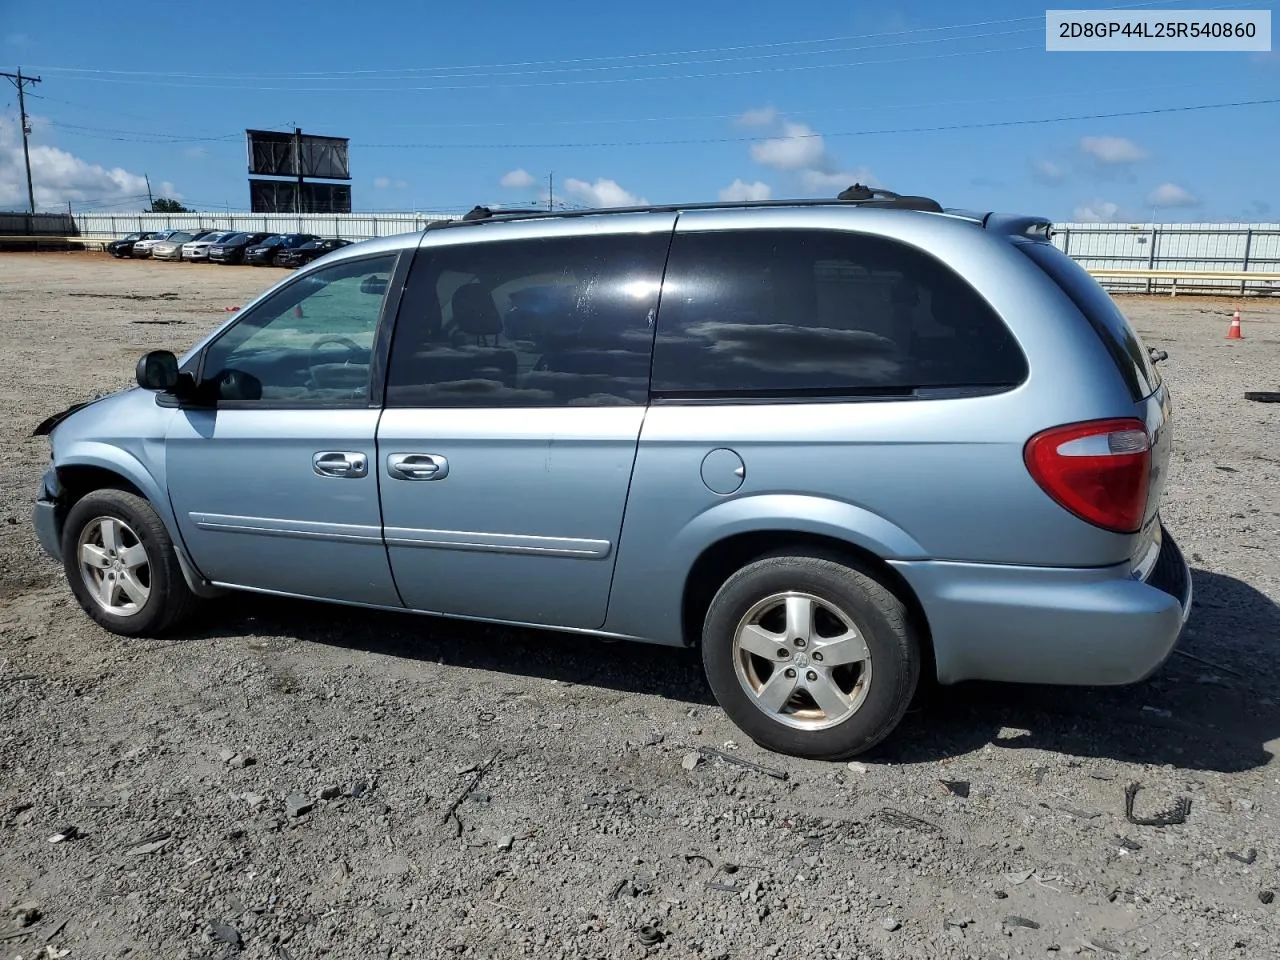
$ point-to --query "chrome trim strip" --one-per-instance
(499, 543)
(299, 529)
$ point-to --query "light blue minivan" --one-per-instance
(839, 445)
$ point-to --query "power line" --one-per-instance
(438, 88)
(777, 44)
(855, 108)
(805, 136)
(417, 74)
(143, 137)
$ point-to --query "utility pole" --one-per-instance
(551, 190)
(151, 204)
(19, 81)
(297, 159)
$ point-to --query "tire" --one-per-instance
(877, 664)
(139, 589)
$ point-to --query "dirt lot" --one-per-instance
(586, 823)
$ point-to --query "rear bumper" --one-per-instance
(1052, 625)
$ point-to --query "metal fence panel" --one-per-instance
(1227, 247)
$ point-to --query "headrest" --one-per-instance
(474, 312)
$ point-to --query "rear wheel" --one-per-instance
(122, 566)
(810, 656)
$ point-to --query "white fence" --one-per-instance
(347, 226)
(1226, 247)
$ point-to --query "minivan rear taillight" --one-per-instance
(1099, 470)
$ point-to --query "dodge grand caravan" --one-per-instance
(837, 445)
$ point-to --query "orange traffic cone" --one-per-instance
(1233, 333)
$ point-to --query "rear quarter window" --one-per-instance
(811, 313)
(1107, 319)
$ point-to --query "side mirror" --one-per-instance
(157, 370)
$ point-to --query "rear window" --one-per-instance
(1106, 318)
(797, 312)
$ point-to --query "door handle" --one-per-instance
(336, 463)
(417, 466)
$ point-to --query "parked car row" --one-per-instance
(226, 246)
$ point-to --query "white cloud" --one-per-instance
(801, 151)
(1112, 149)
(60, 176)
(169, 191)
(817, 181)
(1046, 171)
(1096, 211)
(603, 193)
(386, 183)
(519, 179)
(195, 153)
(741, 190)
(798, 148)
(1171, 195)
(758, 117)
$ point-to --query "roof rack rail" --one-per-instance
(858, 194)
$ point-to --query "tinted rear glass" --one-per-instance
(822, 312)
(1106, 318)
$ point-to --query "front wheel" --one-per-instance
(122, 566)
(810, 656)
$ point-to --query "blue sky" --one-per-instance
(662, 101)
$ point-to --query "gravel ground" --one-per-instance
(289, 780)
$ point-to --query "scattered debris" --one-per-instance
(27, 913)
(1019, 877)
(149, 844)
(890, 924)
(296, 805)
(1098, 945)
(957, 788)
(1247, 858)
(1266, 896)
(1177, 814)
(254, 800)
(1179, 652)
(225, 755)
(224, 932)
(1015, 921)
(729, 758)
(1262, 396)
(1131, 846)
(856, 766)
(329, 793)
(648, 934)
(1157, 711)
(653, 739)
(690, 760)
(487, 717)
(690, 857)
(452, 812)
(1074, 811)
(240, 761)
(506, 841)
(723, 887)
(68, 832)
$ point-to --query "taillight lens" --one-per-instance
(1099, 470)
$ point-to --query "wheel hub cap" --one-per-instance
(802, 660)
